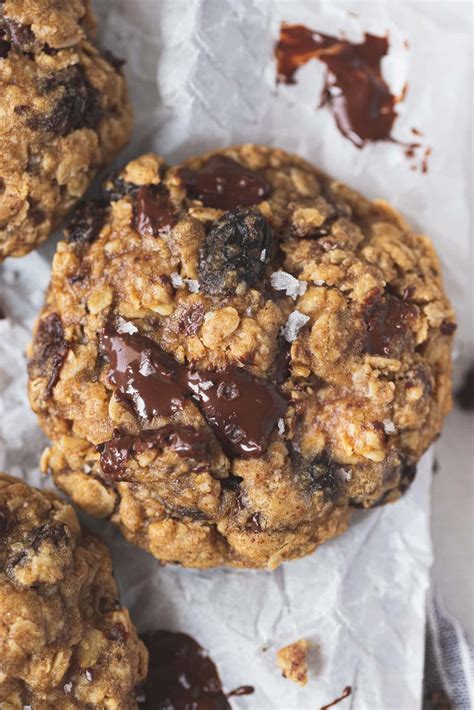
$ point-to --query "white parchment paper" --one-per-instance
(202, 75)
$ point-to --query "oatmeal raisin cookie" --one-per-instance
(65, 641)
(237, 352)
(64, 114)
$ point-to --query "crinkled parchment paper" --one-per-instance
(202, 75)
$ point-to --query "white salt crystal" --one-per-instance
(124, 326)
(282, 281)
(176, 279)
(295, 322)
(281, 426)
(389, 426)
(192, 284)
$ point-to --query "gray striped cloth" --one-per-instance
(449, 662)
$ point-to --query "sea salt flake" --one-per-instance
(281, 426)
(344, 474)
(206, 385)
(319, 282)
(296, 320)
(176, 279)
(192, 284)
(389, 426)
(263, 255)
(283, 281)
(124, 326)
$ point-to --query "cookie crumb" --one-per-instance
(292, 660)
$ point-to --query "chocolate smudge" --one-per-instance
(224, 183)
(181, 675)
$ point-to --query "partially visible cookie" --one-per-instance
(65, 641)
(235, 353)
(64, 114)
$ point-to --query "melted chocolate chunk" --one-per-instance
(241, 411)
(181, 675)
(185, 441)
(281, 364)
(84, 224)
(355, 90)
(231, 483)
(224, 183)
(465, 394)
(387, 322)
(154, 212)
(147, 378)
(236, 250)
(77, 105)
(345, 694)
(50, 351)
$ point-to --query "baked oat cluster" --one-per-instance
(65, 641)
(64, 114)
(236, 353)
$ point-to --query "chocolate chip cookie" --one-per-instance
(237, 352)
(65, 641)
(64, 115)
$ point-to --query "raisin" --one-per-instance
(84, 224)
(324, 476)
(20, 36)
(117, 632)
(236, 249)
(4, 520)
(78, 105)
(50, 351)
(115, 187)
(4, 45)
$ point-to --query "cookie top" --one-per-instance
(235, 352)
(64, 115)
(65, 641)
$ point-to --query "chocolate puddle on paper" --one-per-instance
(355, 91)
(181, 675)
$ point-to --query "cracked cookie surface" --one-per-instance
(65, 641)
(235, 353)
(64, 115)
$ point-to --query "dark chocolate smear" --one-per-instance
(345, 694)
(387, 320)
(181, 675)
(464, 396)
(241, 410)
(185, 441)
(354, 89)
(224, 183)
(154, 212)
